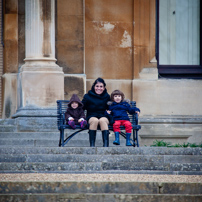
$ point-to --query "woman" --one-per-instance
(95, 102)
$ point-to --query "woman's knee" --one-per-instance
(93, 122)
(103, 122)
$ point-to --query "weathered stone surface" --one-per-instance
(100, 197)
(113, 10)
(50, 167)
(70, 36)
(136, 166)
(127, 151)
(74, 84)
(10, 95)
(108, 62)
(70, 7)
(81, 187)
(70, 56)
(11, 6)
(11, 31)
(11, 57)
(43, 124)
(41, 88)
(139, 198)
(168, 97)
(31, 158)
(70, 27)
(21, 38)
(108, 39)
(186, 167)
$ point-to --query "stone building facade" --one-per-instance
(55, 48)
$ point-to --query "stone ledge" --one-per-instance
(166, 119)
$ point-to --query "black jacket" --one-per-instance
(95, 104)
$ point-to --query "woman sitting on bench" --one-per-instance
(95, 102)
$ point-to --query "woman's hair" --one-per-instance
(98, 80)
(117, 92)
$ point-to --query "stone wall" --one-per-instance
(70, 45)
(9, 98)
(113, 39)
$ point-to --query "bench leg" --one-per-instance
(61, 141)
(135, 137)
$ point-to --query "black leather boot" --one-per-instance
(92, 137)
(105, 138)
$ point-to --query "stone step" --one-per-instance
(166, 151)
(86, 191)
(7, 128)
(111, 159)
(4, 122)
(100, 187)
(100, 197)
(52, 139)
(51, 135)
(28, 135)
(99, 167)
(99, 159)
(8, 125)
(53, 143)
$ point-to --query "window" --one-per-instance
(179, 44)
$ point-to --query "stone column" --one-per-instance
(40, 80)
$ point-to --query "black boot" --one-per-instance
(105, 138)
(92, 137)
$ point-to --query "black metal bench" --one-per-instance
(61, 122)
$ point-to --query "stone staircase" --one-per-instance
(142, 160)
(34, 150)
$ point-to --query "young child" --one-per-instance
(118, 108)
(75, 114)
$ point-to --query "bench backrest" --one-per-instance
(62, 107)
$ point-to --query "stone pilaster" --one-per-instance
(40, 80)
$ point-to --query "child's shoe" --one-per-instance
(72, 124)
(83, 124)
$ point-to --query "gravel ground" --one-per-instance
(100, 177)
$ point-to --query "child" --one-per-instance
(75, 114)
(118, 108)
